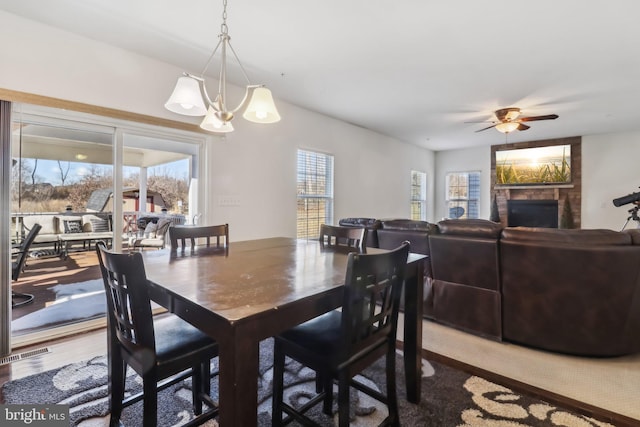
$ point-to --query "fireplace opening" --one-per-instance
(532, 213)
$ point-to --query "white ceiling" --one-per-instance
(416, 70)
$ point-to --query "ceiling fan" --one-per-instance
(509, 119)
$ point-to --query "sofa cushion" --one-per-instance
(150, 230)
(96, 224)
(634, 233)
(49, 223)
(72, 226)
(470, 227)
(568, 236)
(370, 223)
(408, 224)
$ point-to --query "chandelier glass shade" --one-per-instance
(190, 95)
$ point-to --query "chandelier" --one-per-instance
(190, 97)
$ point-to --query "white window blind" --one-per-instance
(315, 193)
(418, 196)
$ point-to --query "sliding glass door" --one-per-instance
(85, 178)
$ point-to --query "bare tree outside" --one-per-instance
(96, 178)
(30, 192)
(33, 172)
(64, 171)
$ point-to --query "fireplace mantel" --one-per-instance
(531, 187)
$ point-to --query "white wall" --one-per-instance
(467, 160)
(254, 166)
(610, 169)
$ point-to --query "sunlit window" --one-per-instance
(463, 194)
(418, 196)
(315, 193)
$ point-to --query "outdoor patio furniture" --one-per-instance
(17, 266)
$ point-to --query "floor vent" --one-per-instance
(27, 354)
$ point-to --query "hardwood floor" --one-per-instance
(61, 352)
(41, 274)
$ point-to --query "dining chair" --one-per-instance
(340, 344)
(17, 266)
(163, 350)
(345, 238)
(178, 235)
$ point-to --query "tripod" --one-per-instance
(633, 216)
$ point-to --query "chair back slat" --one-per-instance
(129, 307)
(345, 238)
(373, 289)
(178, 235)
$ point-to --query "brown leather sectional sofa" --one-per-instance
(568, 291)
(571, 291)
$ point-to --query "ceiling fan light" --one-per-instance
(261, 108)
(186, 98)
(507, 127)
(212, 123)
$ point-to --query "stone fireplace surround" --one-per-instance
(560, 193)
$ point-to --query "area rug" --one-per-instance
(73, 302)
(449, 397)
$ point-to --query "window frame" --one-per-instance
(470, 201)
(308, 226)
(419, 200)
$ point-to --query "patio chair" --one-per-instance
(17, 266)
(342, 343)
(156, 238)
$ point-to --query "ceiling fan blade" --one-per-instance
(522, 126)
(488, 127)
(535, 118)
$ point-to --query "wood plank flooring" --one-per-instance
(40, 274)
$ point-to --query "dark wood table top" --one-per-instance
(254, 276)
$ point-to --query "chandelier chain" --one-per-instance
(188, 100)
(223, 27)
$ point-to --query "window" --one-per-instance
(315, 193)
(463, 194)
(418, 196)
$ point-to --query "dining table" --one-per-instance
(255, 289)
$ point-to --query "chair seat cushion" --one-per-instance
(321, 334)
(176, 338)
(155, 242)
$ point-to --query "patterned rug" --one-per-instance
(449, 398)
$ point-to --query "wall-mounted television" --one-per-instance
(534, 166)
